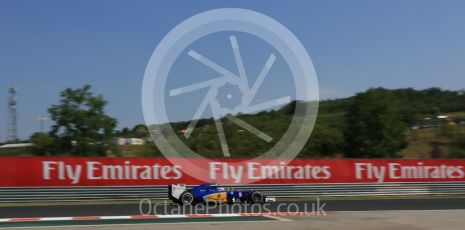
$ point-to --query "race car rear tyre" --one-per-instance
(256, 197)
(186, 198)
(231, 201)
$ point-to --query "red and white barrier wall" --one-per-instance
(71, 171)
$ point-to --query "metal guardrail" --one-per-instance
(50, 194)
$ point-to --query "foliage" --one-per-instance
(374, 126)
(138, 131)
(81, 126)
(324, 142)
(14, 152)
(370, 124)
(458, 146)
(43, 144)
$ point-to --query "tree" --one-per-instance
(458, 146)
(43, 144)
(81, 126)
(324, 142)
(140, 131)
(374, 126)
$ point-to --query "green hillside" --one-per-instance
(376, 123)
(415, 109)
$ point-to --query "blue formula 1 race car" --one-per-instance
(206, 193)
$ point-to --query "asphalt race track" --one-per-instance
(166, 209)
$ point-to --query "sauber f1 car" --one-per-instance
(206, 193)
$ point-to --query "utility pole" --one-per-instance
(41, 120)
(13, 115)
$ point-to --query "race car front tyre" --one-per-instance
(186, 198)
(256, 197)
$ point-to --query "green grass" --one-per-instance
(420, 142)
(130, 221)
(14, 152)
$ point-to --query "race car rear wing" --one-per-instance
(175, 191)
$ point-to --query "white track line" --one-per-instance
(138, 217)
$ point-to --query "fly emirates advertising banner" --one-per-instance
(69, 171)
